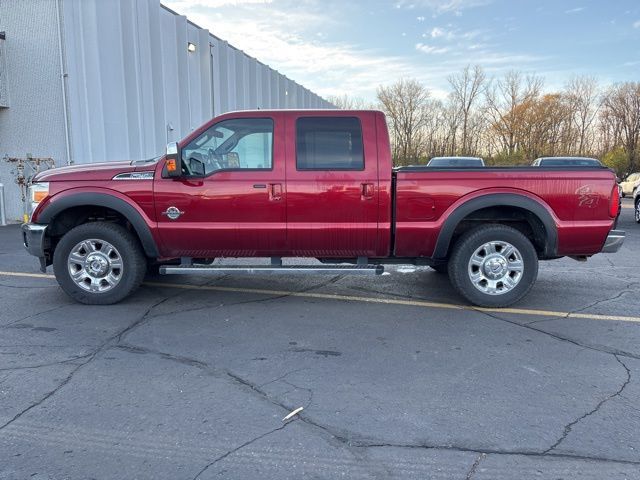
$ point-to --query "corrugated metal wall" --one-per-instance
(34, 121)
(133, 85)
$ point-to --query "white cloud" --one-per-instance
(430, 49)
(420, 18)
(636, 24)
(456, 34)
(443, 6)
(574, 10)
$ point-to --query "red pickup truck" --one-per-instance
(316, 184)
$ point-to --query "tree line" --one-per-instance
(511, 120)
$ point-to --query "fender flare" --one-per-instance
(498, 200)
(108, 201)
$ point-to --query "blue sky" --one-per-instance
(336, 47)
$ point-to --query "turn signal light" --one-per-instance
(39, 195)
(171, 165)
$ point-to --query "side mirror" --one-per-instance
(197, 167)
(174, 161)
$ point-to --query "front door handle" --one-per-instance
(275, 192)
(367, 191)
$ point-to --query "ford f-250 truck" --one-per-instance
(316, 184)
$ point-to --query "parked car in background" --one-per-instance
(453, 162)
(566, 162)
(630, 184)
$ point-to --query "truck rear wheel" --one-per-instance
(99, 263)
(493, 266)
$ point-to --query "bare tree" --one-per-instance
(467, 86)
(622, 106)
(510, 120)
(406, 105)
(582, 97)
(504, 101)
(345, 102)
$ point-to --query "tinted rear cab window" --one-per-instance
(329, 143)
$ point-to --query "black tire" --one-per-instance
(636, 210)
(134, 262)
(441, 268)
(465, 247)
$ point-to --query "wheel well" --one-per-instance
(521, 219)
(74, 216)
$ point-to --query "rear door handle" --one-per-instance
(368, 190)
(275, 192)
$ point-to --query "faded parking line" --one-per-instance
(351, 298)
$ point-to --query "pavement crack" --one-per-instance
(50, 364)
(143, 319)
(239, 447)
(627, 289)
(486, 452)
(167, 356)
(281, 377)
(33, 315)
(88, 358)
(529, 326)
(475, 466)
(343, 438)
(308, 390)
(569, 426)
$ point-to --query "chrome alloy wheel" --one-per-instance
(95, 265)
(496, 268)
(637, 211)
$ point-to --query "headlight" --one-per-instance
(37, 193)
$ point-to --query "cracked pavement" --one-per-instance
(193, 384)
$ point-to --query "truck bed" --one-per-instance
(576, 199)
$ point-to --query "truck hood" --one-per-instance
(87, 172)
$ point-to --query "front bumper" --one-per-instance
(614, 241)
(34, 239)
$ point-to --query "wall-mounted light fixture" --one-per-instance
(191, 47)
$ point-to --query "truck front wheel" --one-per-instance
(99, 263)
(493, 266)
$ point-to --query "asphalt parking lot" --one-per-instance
(191, 377)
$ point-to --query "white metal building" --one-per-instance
(86, 81)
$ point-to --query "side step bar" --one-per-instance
(271, 270)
